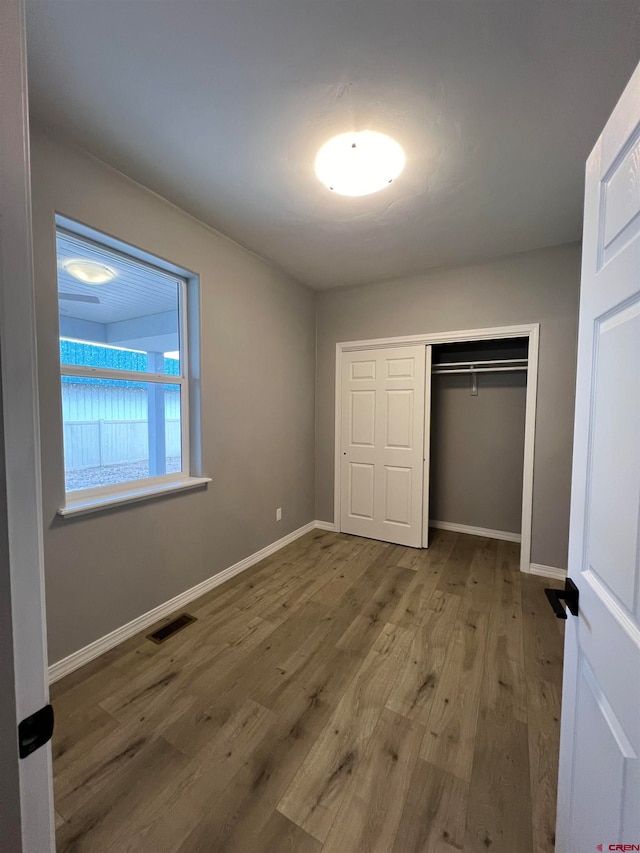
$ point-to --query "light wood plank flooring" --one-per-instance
(343, 696)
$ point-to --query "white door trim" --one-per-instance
(530, 331)
(21, 432)
(426, 447)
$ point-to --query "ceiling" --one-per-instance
(221, 106)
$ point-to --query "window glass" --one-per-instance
(119, 317)
(107, 435)
(125, 310)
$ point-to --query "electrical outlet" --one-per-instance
(279, 514)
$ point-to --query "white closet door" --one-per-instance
(382, 444)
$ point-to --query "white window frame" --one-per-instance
(82, 501)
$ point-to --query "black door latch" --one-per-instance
(35, 731)
(569, 594)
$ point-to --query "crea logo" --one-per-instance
(624, 848)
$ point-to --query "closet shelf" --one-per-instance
(474, 369)
(482, 362)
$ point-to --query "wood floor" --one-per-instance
(344, 695)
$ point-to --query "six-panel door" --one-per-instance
(599, 779)
(382, 437)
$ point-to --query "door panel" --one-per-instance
(620, 201)
(361, 490)
(397, 495)
(362, 421)
(400, 368)
(363, 369)
(382, 439)
(615, 453)
(597, 812)
(399, 431)
(599, 774)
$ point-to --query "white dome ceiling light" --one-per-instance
(90, 272)
(359, 163)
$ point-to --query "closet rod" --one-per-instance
(481, 370)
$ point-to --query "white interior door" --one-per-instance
(382, 444)
(26, 799)
(599, 779)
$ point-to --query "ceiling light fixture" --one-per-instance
(359, 163)
(90, 272)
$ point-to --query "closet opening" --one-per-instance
(477, 437)
(437, 429)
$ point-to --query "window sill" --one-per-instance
(83, 506)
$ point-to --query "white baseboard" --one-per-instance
(476, 531)
(325, 525)
(77, 659)
(548, 572)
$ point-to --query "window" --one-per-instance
(124, 372)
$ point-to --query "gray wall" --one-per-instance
(258, 362)
(540, 286)
(477, 450)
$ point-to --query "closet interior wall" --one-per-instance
(477, 440)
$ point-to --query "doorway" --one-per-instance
(378, 471)
(477, 437)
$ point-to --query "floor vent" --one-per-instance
(171, 628)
